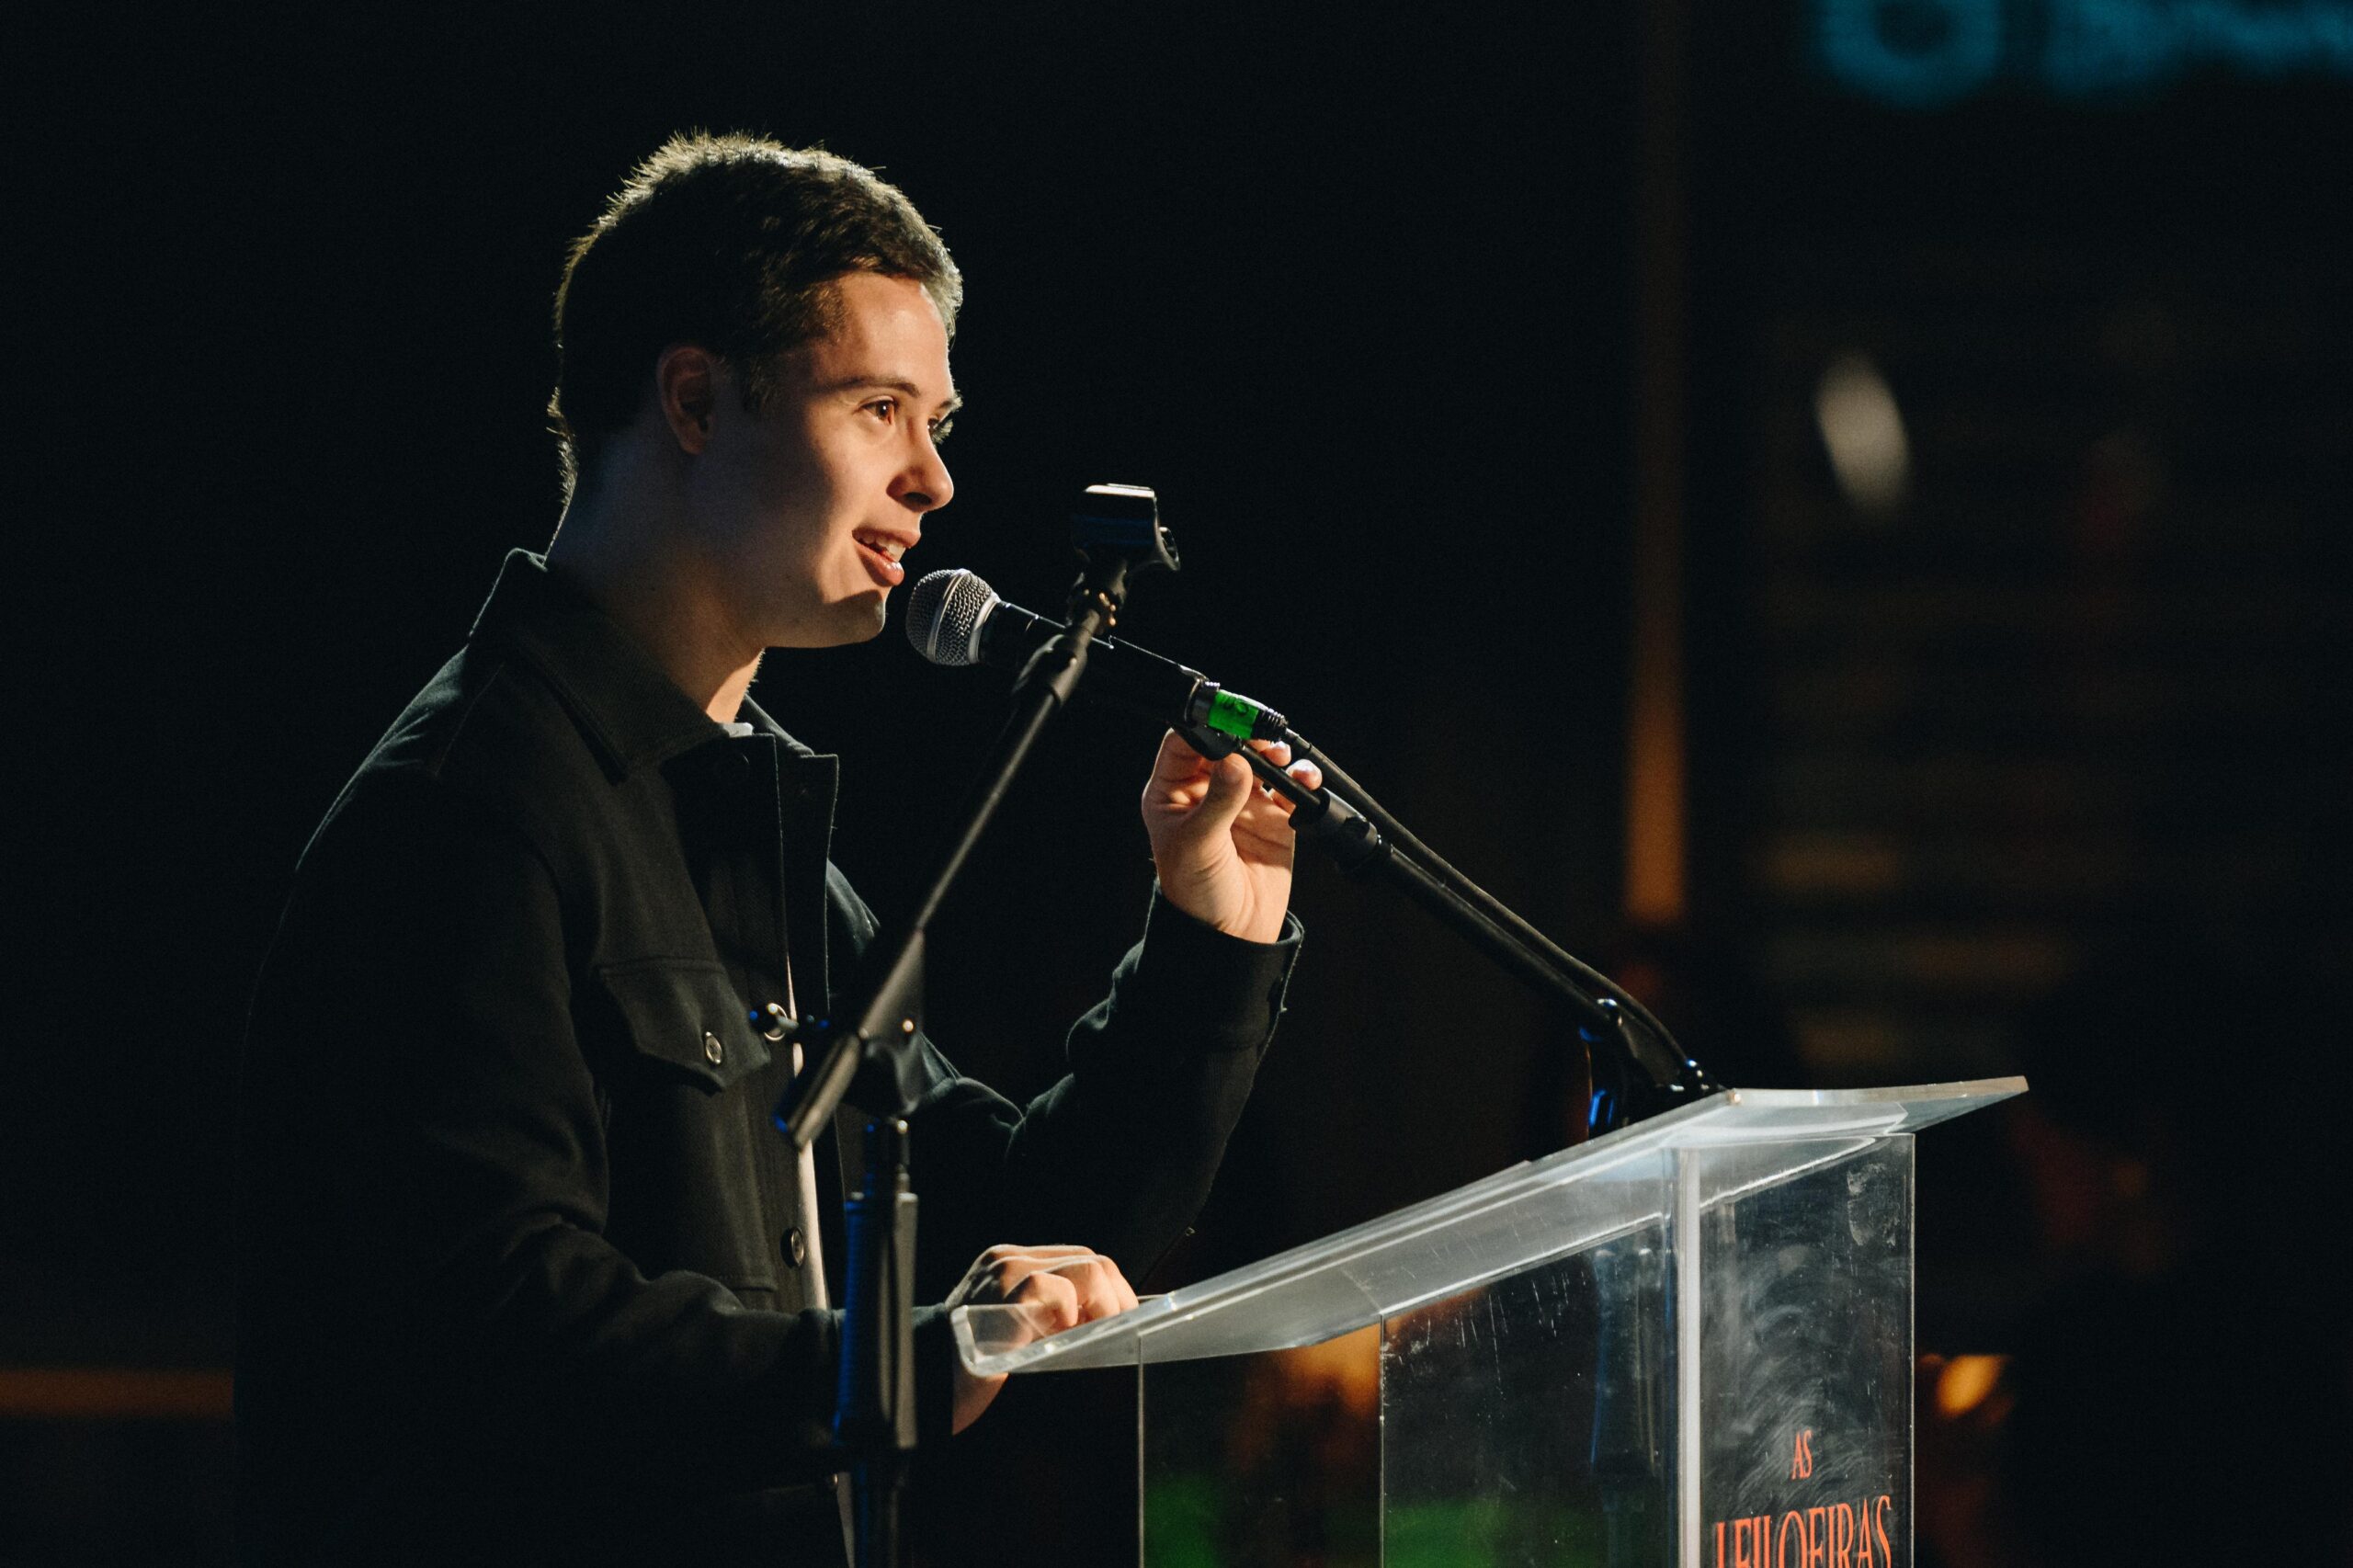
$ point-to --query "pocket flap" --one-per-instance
(685, 1015)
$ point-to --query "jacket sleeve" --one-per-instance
(430, 1183)
(1119, 1154)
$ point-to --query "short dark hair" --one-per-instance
(731, 243)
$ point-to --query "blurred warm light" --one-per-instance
(1967, 1381)
(1343, 1371)
(1849, 863)
(1864, 433)
(112, 1393)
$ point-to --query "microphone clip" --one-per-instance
(1116, 529)
(1121, 523)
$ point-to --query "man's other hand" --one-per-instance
(1058, 1288)
(1223, 845)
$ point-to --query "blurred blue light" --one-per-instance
(1912, 53)
(1924, 54)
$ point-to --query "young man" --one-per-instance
(527, 1274)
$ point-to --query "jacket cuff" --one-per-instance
(1228, 991)
(935, 1347)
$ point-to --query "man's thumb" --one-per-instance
(1229, 786)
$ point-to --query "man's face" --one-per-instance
(813, 498)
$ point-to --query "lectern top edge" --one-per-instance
(1536, 1210)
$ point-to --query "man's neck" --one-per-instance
(630, 562)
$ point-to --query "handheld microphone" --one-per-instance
(954, 618)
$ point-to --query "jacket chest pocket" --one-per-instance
(686, 1125)
(683, 1023)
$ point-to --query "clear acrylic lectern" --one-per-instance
(1687, 1342)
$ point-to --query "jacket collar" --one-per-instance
(634, 715)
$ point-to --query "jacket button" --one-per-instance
(796, 1246)
(712, 1050)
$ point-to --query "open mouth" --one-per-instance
(880, 552)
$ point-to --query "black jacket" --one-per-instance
(522, 1270)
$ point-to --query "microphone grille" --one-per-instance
(944, 616)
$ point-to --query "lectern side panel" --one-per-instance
(1806, 1366)
(1527, 1421)
(1267, 1460)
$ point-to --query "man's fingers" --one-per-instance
(1308, 775)
(1096, 1287)
(1179, 769)
(996, 1271)
(1006, 1251)
(1266, 817)
(1125, 1291)
(1177, 763)
(1103, 1290)
(1051, 1295)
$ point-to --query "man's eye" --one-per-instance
(941, 430)
(882, 408)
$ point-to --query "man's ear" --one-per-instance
(686, 383)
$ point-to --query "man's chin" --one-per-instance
(857, 620)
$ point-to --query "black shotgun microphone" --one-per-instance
(954, 618)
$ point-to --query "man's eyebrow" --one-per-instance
(851, 383)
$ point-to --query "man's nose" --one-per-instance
(926, 486)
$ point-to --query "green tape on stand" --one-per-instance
(1234, 715)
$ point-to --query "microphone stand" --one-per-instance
(1650, 1072)
(874, 1413)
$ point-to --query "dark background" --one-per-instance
(1358, 292)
